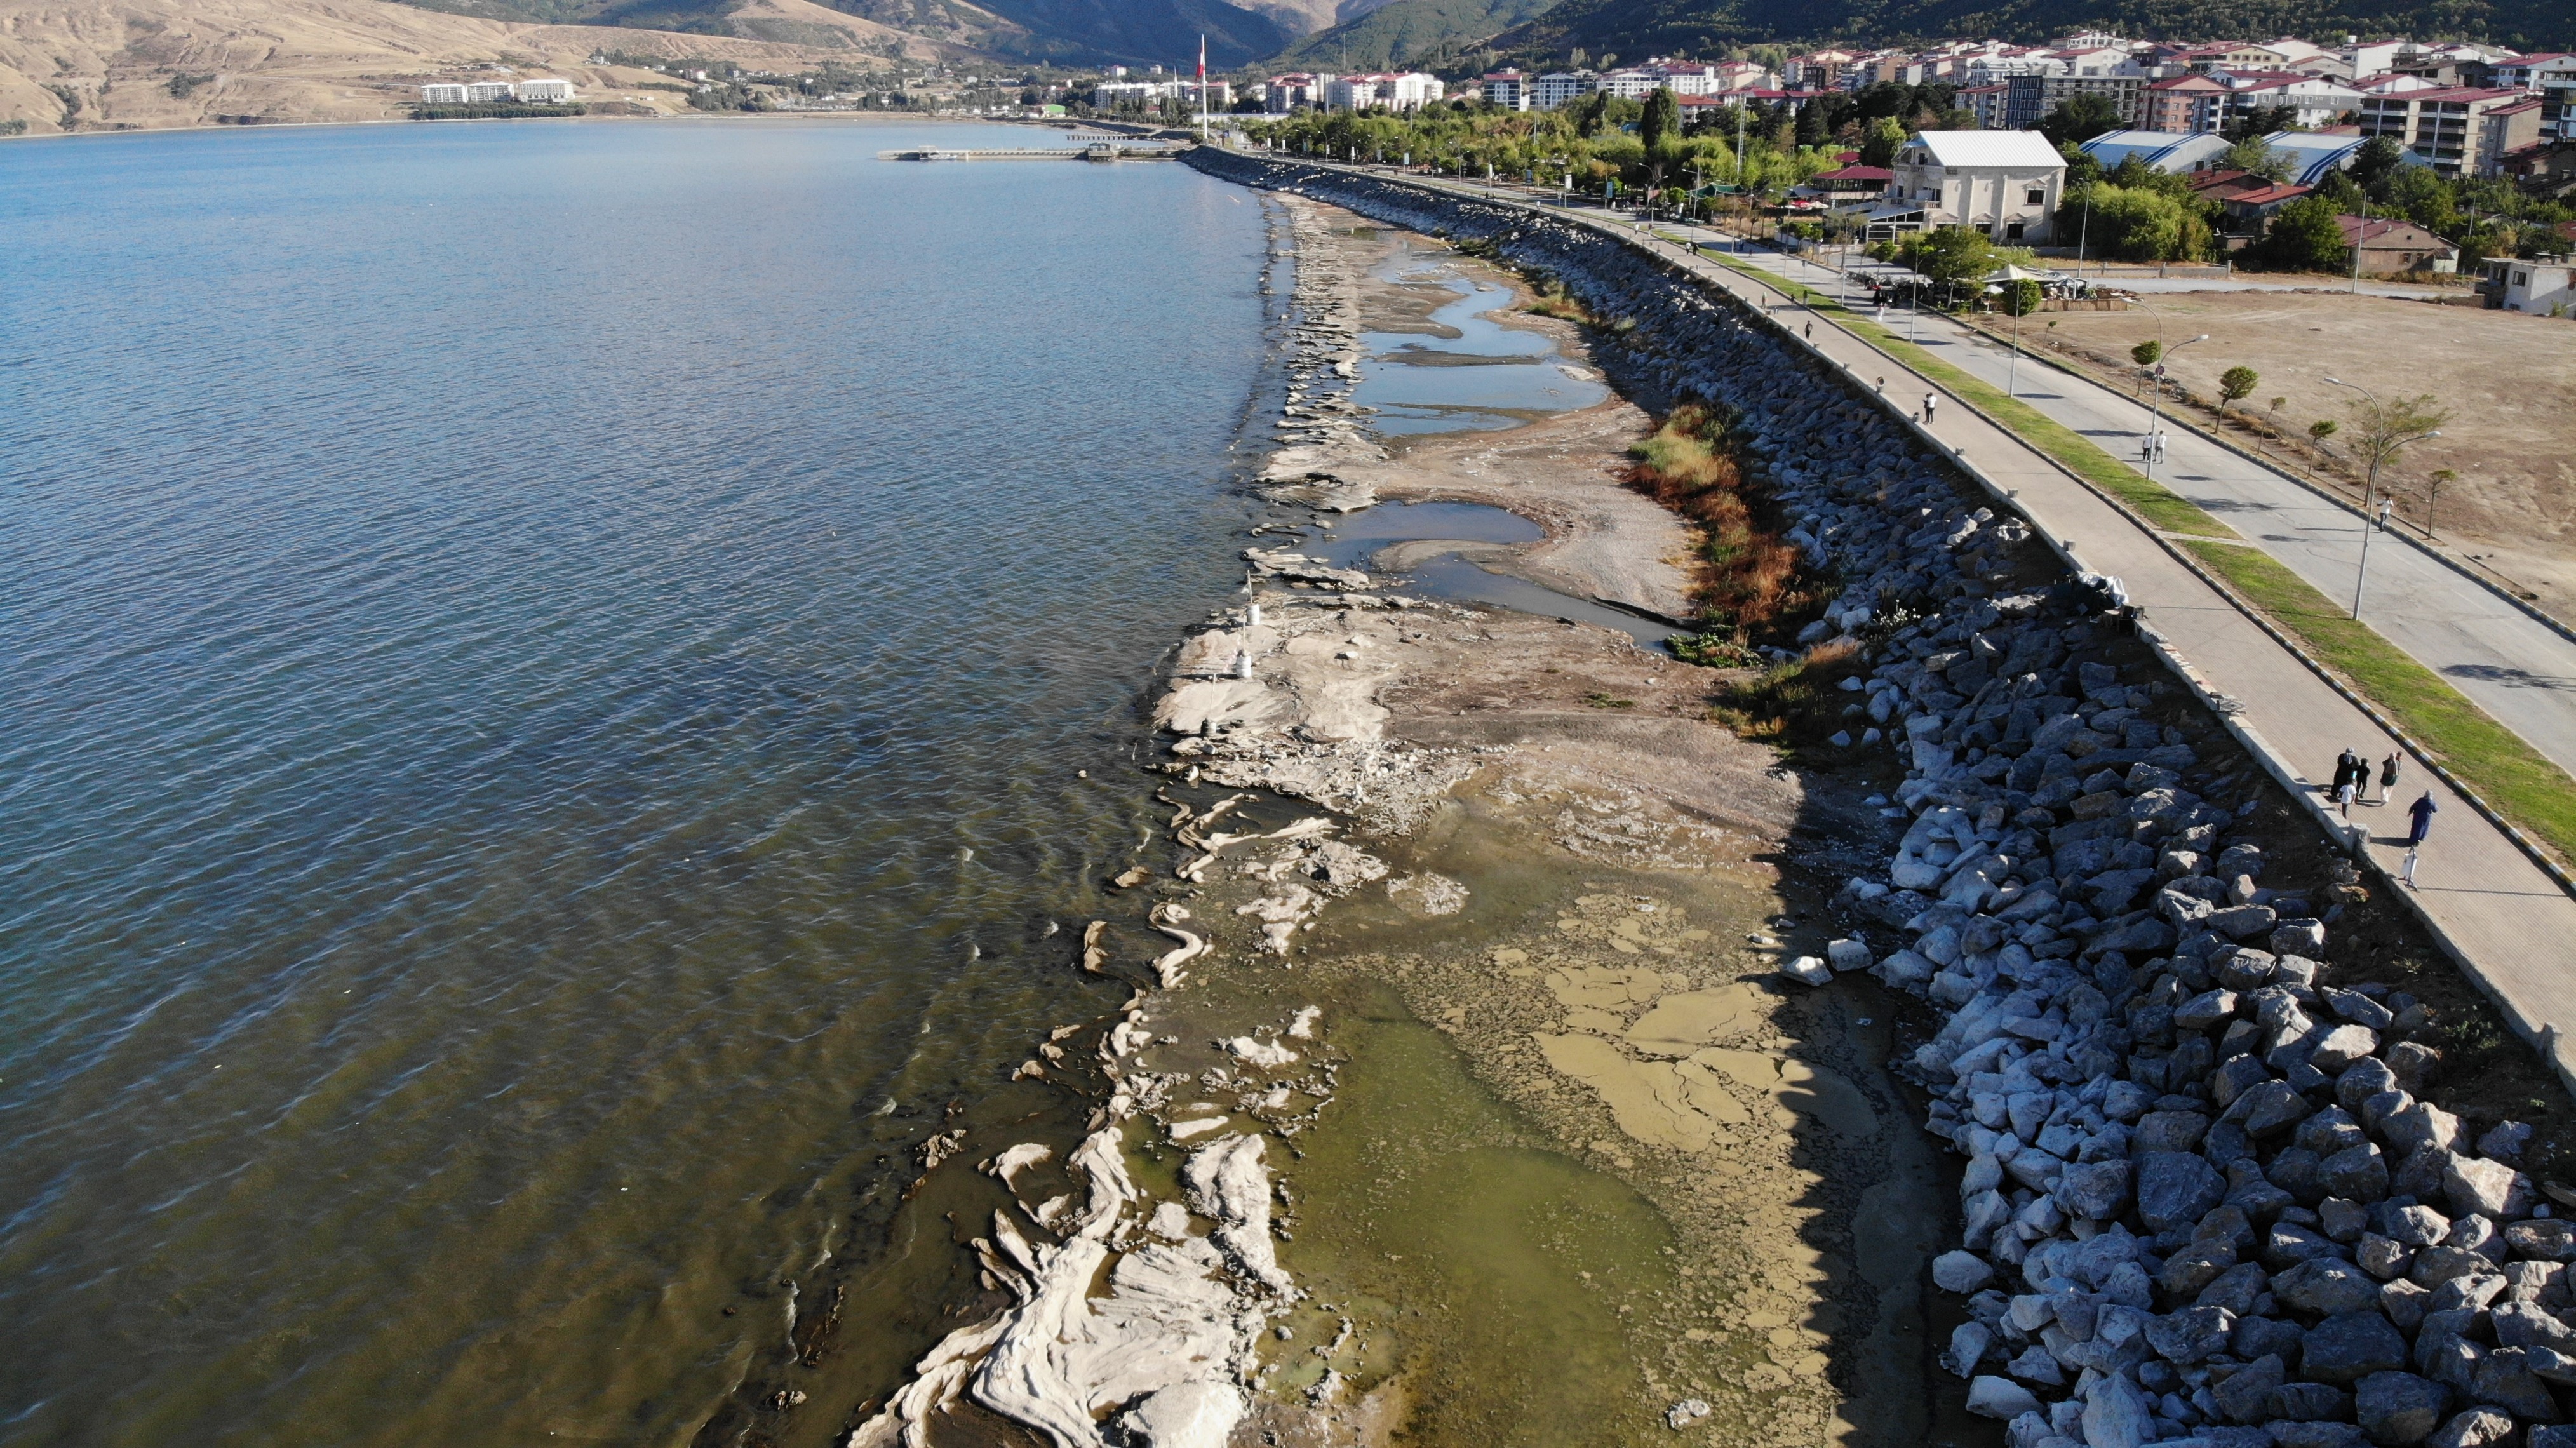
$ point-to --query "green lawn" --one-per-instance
(2491, 759)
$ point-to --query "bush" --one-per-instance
(1746, 570)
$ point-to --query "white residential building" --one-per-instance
(1508, 89)
(443, 93)
(2313, 101)
(1558, 87)
(1285, 93)
(545, 91)
(1687, 78)
(488, 92)
(1633, 84)
(1111, 94)
(1410, 90)
(2005, 183)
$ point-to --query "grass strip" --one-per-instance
(2166, 510)
(2520, 784)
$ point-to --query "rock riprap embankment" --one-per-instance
(2204, 1199)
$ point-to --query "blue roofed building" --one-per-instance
(2170, 151)
(2313, 155)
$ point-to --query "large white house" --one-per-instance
(1408, 91)
(2005, 183)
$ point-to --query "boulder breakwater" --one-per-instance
(2208, 1195)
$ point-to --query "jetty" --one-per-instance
(1118, 150)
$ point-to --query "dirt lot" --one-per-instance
(2509, 381)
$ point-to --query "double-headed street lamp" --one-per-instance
(2380, 447)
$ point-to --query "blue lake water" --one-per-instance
(547, 671)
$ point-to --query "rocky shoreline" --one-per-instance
(2204, 1199)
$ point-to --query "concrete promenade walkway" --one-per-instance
(2513, 666)
(2505, 921)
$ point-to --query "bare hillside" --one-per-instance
(146, 64)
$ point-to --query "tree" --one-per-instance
(2433, 485)
(1661, 122)
(2235, 385)
(1954, 254)
(2021, 297)
(2382, 430)
(2147, 353)
(2305, 236)
(2078, 118)
(2260, 121)
(2374, 163)
(2253, 157)
(2423, 197)
(1879, 145)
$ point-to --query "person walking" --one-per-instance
(1811, 331)
(1928, 400)
(2160, 446)
(2349, 772)
(2387, 777)
(2422, 809)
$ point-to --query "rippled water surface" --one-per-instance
(546, 671)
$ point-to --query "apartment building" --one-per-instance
(1822, 70)
(2183, 103)
(2551, 76)
(1407, 91)
(2459, 130)
(1508, 89)
(1282, 94)
(2029, 97)
(1558, 87)
(2311, 101)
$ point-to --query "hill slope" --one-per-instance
(147, 64)
(1643, 27)
(1130, 32)
(1409, 32)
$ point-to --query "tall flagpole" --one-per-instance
(1202, 90)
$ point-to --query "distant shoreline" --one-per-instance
(909, 118)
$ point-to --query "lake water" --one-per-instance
(547, 671)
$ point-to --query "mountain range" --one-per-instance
(1068, 32)
(1638, 28)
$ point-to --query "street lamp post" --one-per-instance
(2369, 486)
(2155, 411)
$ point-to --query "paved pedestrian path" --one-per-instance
(2516, 668)
(2506, 922)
